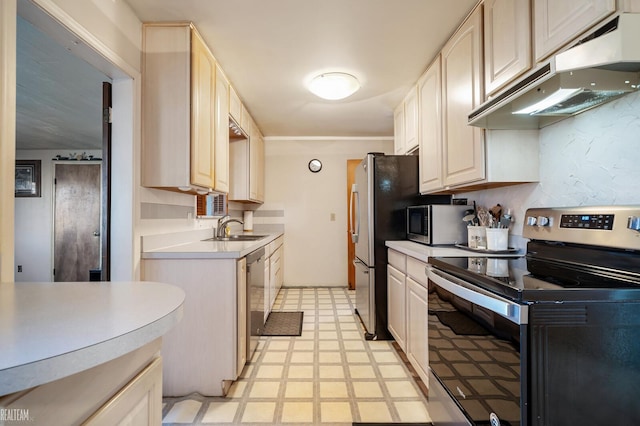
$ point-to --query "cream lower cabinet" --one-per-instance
(201, 352)
(396, 297)
(408, 308)
(273, 273)
(241, 289)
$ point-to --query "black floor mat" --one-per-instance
(283, 324)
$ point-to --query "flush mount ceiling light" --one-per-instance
(334, 85)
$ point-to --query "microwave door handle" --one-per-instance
(354, 213)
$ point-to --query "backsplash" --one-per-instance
(590, 159)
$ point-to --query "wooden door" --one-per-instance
(76, 221)
(351, 248)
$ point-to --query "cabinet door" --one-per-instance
(411, 121)
(557, 22)
(461, 92)
(417, 320)
(396, 305)
(430, 119)
(235, 106)
(221, 133)
(203, 87)
(256, 164)
(507, 42)
(398, 130)
(241, 347)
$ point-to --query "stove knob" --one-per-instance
(633, 223)
(531, 221)
(542, 221)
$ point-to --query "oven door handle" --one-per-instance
(510, 310)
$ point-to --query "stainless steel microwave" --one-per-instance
(436, 224)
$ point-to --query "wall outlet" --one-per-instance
(19, 268)
(332, 217)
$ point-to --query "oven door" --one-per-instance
(476, 375)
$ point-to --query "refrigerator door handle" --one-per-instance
(354, 208)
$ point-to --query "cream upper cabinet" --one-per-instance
(430, 128)
(507, 42)
(221, 183)
(178, 108)
(462, 91)
(247, 164)
(398, 131)
(235, 105)
(406, 124)
(556, 22)
(256, 161)
(411, 120)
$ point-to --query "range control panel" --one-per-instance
(605, 226)
(587, 221)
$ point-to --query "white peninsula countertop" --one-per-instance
(52, 330)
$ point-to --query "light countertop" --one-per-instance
(52, 330)
(181, 246)
(423, 252)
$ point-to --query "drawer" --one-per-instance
(397, 260)
(416, 270)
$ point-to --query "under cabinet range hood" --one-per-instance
(602, 67)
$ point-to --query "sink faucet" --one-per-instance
(223, 222)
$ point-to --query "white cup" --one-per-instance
(476, 237)
(497, 238)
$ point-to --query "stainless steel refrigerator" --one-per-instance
(384, 186)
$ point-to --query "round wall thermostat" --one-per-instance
(315, 165)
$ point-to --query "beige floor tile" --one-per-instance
(237, 389)
(333, 390)
(269, 372)
(302, 357)
(273, 357)
(386, 357)
(307, 335)
(362, 372)
(300, 372)
(357, 357)
(412, 411)
(393, 371)
(326, 318)
(350, 326)
(220, 412)
(302, 389)
(367, 390)
(351, 335)
(264, 389)
(183, 412)
(343, 312)
(329, 357)
(328, 345)
(259, 412)
(304, 345)
(380, 345)
(401, 389)
(353, 345)
(246, 371)
(374, 412)
(326, 326)
(328, 335)
(306, 307)
(297, 412)
(331, 372)
(346, 318)
(278, 345)
(334, 412)
(308, 326)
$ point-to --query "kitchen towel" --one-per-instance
(248, 220)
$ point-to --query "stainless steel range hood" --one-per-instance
(602, 67)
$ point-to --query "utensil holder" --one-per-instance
(497, 238)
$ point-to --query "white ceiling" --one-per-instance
(269, 49)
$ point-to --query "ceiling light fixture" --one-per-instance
(334, 85)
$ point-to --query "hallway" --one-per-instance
(329, 375)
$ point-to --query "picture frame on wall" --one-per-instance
(27, 178)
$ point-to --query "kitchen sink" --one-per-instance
(238, 237)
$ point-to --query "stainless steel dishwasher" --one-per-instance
(255, 299)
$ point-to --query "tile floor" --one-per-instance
(329, 375)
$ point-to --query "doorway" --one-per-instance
(351, 249)
(77, 222)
